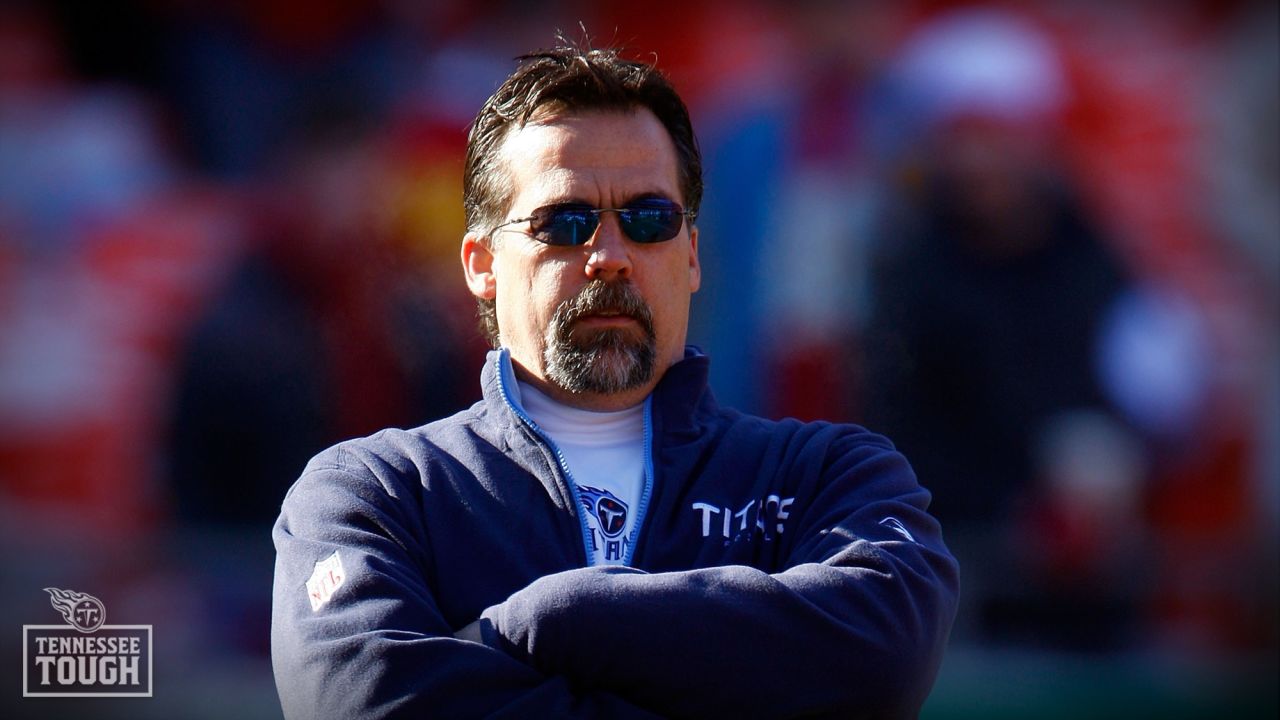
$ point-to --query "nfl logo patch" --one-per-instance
(325, 581)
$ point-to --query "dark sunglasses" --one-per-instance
(650, 220)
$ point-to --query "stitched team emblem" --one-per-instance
(610, 512)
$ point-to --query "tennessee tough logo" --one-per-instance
(85, 657)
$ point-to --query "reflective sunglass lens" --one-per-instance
(564, 225)
(651, 224)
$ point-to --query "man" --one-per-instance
(597, 537)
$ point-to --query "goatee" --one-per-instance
(602, 361)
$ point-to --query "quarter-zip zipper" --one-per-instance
(503, 363)
(643, 510)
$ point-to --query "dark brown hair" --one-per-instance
(564, 80)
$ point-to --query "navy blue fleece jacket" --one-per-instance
(777, 569)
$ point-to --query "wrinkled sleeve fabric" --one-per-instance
(853, 626)
(380, 647)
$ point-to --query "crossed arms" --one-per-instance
(853, 625)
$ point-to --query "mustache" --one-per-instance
(603, 361)
(599, 297)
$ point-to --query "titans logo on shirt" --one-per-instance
(608, 517)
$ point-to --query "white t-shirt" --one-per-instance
(605, 455)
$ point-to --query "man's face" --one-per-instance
(594, 325)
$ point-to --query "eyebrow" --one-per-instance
(578, 200)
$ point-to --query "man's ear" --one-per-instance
(477, 265)
(695, 267)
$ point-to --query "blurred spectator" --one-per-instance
(108, 247)
(1157, 93)
(1241, 152)
(729, 63)
(327, 329)
(991, 289)
(333, 323)
(246, 76)
(817, 296)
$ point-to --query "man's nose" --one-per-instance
(610, 251)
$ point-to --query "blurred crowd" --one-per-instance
(1036, 244)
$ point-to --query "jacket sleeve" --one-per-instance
(374, 644)
(853, 626)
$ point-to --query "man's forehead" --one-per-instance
(562, 149)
